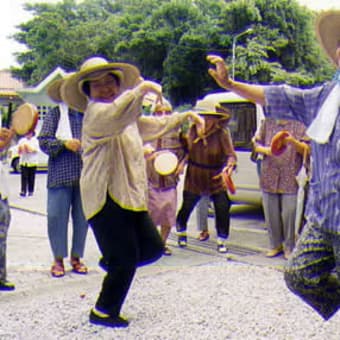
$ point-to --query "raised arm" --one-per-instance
(220, 74)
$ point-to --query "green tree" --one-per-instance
(169, 40)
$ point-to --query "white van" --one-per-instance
(244, 122)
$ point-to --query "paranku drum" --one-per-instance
(165, 162)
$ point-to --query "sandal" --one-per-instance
(203, 236)
(77, 266)
(57, 269)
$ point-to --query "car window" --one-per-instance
(242, 124)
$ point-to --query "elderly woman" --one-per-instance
(113, 181)
(209, 157)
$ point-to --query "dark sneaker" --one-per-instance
(107, 320)
(182, 241)
(6, 285)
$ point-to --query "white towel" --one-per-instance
(323, 124)
(64, 128)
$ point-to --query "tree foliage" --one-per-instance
(169, 40)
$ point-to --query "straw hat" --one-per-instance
(53, 90)
(93, 69)
(206, 108)
(328, 32)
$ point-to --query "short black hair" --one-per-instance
(86, 84)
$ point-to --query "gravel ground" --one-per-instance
(218, 300)
(186, 296)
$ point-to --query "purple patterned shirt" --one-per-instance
(286, 102)
(278, 173)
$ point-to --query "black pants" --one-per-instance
(126, 239)
(221, 205)
(28, 178)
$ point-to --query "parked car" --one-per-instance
(245, 120)
(13, 159)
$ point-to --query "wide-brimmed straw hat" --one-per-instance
(328, 32)
(205, 108)
(93, 69)
(53, 89)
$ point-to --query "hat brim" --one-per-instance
(277, 145)
(328, 32)
(53, 91)
(214, 114)
(75, 98)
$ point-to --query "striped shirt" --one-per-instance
(64, 166)
(285, 102)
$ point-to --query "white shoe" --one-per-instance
(221, 248)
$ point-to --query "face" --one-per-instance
(105, 89)
(210, 121)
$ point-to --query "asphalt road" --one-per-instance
(247, 242)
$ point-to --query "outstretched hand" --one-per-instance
(220, 73)
(146, 86)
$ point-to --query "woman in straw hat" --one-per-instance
(59, 138)
(310, 271)
(113, 180)
(209, 156)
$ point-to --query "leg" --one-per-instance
(115, 232)
(222, 219)
(5, 218)
(24, 180)
(222, 215)
(272, 214)
(80, 224)
(202, 213)
(309, 271)
(288, 212)
(189, 202)
(58, 209)
(150, 244)
(31, 179)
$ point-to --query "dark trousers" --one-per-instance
(126, 239)
(28, 178)
(221, 205)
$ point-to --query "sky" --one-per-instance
(12, 14)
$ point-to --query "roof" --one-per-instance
(8, 83)
(56, 74)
